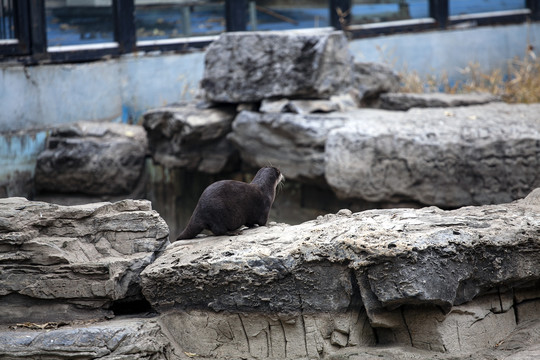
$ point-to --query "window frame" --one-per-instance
(30, 45)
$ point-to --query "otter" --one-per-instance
(226, 205)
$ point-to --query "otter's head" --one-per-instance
(268, 176)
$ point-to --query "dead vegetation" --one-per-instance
(519, 83)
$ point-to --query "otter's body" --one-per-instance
(227, 205)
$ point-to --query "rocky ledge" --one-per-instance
(392, 284)
(449, 281)
(64, 263)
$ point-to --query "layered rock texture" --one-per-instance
(92, 158)
(191, 136)
(447, 157)
(391, 284)
(252, 66)
(62, 263)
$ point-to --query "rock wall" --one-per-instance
(63, 263)
(392, 284)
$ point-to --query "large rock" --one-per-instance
(294, 143)
(405, 101)
(136, 339)
(370, 80)
(92, 158)
(192, 137)
(73, 262)
(444, 156)
(251, 66)
(433, 279)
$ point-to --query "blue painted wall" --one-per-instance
(34, 98)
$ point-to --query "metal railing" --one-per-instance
(24, 25)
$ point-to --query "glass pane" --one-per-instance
(461, 7)
(281, 15)
(371, 11)
(7, 24)
(178, 18)
(78, 22)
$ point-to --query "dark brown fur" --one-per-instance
(227, 205)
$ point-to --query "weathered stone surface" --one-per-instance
(249, 67)
(406, 101)
(190, 137)
(92, 158)
(294, 143)
(254, 336)
(335, 103)
(118, 339)
(402, 265)
(72, 262)
(447, 157)
(370, 80)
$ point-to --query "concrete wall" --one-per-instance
(432, 53)
(34, 98)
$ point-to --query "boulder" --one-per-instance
(190, 136)
(294, 143)
(59, 263)
(448, 157)
(136, 339)
(370, 80)
(92, 158)
(414, 273)
(342, 102)
(406, 101)
(249, 67)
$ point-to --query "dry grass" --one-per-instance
(519, 84)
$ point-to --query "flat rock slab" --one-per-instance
(92, 158)
(69, 262)
(414, 273)
(370, 80)
(406, 101)
(396, 257)
(447, 157)
(119, 339)
(252, 66)
(294, 143)
(190, 136)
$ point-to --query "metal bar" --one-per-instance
(340, 13)
(534, 6)
(236, 15)
(124, 25)
(253, 15)
(439, 10)
(186, 21)
(38, 29)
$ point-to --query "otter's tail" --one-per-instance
(190, 231)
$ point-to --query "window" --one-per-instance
(375, 11)
(7, 20)
(79, 22)
(158, 20)
(463, 7)
(285, 15)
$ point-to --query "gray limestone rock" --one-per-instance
(447, 157)
(92, 158)
(136, 339)
(406, 101)
(416, 272)
(335, 103)
(370, 80)
(72, 262)
(294, 143)
(251, 66)
(190, 137)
